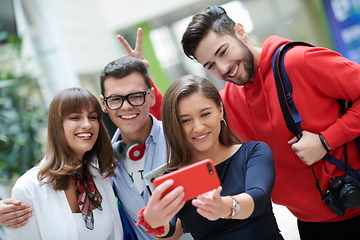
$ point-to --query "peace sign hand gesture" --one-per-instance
(137, 52)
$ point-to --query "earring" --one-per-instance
(225, 124)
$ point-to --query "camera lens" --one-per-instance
(350, 196)
(209, 168)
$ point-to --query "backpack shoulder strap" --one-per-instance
(284, 88)
(290, 113)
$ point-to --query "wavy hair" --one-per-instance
(60, 163)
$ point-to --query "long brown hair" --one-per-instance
(178, 153)
(60, 163)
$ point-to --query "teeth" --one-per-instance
(128, 116)
(84, 135)
(202, 136)
(234, 71)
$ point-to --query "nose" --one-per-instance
(126, 105)
(223, 68)
(198, 126)
(86, 124)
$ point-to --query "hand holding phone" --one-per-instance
(196, 179)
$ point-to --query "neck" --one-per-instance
(217, 154)
(139, 136)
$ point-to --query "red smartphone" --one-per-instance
(197, 178)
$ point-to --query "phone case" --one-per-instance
(196, 179)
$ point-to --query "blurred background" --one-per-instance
(49, 45)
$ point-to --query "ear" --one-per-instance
(152, 97)
(221, 108)
(103, 104)
(240, 32)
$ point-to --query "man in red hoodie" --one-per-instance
(319, 78)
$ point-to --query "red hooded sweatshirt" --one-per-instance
(319, 77)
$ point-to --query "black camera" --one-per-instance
(344, 193)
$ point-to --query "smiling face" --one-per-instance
(134, 121)
(226, 57)
(200, 122)
(81, 130)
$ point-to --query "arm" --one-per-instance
(137, 53)
(156, 109)
(256, 196)
(212, 205)
(177, 234)
(337, 78)
(13, 213)
(31, 229)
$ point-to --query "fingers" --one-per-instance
(138, 45)
(170, 201)
(128, 48)
(209, 204)
(293, 140)
(14, 216)
(161, 208)
(17, 222)
(125, 44)
(11, 201)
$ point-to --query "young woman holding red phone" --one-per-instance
(195, 128)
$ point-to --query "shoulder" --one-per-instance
(28, 182)
(255, 150)
(256, 145)
(310, 56)
(29, 176)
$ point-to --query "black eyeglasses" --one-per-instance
(135, 99)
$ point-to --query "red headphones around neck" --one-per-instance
(134, 151)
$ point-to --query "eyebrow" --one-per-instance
(202, 110)
(82, 112)
(217, 51)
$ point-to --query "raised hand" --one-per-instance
(160, 210)
(210, 205)
(137, 52)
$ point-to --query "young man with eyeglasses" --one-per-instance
(127, 96)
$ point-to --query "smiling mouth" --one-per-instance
(234, 71)
(201, 136)
(129, 116)
(84, 135)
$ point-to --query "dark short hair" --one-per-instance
(123, 67)
(212, 18)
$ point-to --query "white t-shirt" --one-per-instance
(103, 226)
(135, 170)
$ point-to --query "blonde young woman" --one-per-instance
(195, 128)
(70, 191)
